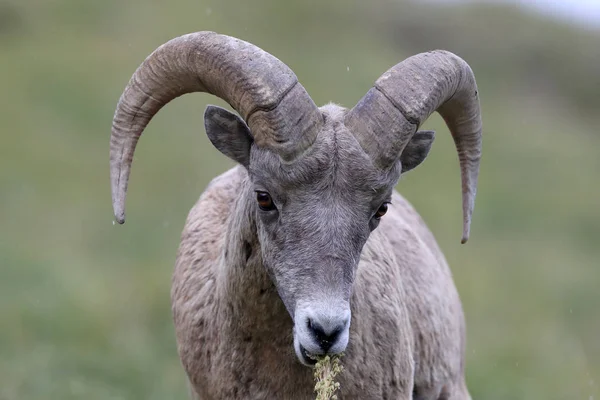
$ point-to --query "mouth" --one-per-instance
(306, 358)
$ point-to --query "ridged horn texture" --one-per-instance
(405, 96)
(261, 88)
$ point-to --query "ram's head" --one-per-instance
(321, 178)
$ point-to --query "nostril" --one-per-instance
(323, 338)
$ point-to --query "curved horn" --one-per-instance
(261, 88)
(405, 96)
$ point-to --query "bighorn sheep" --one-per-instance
(298, 229)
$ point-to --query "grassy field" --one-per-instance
(84, 304)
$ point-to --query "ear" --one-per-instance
(228, 133)
(416, 150)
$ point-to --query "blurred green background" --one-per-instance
(84, 304)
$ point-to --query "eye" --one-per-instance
(382, 210)
(264, 200)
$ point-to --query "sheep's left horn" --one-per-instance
(405, 96)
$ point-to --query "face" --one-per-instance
(314, 216)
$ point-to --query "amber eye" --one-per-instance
(382, 210)
(265, 202)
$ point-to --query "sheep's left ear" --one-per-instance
(228, 133)
(416, 150)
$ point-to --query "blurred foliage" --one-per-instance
(85, 309)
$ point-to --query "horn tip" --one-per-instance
(120, 217)
(465, 235)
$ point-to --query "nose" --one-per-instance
(325, 336)
(321, 330)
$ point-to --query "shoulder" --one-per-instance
(204, 231)
(215, 203)
(407, 230)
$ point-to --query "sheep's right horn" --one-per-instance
(266, 93)
(402, 99)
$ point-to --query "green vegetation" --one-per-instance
(84, 304)
(326, 369)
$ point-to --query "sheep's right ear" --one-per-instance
(228, 133)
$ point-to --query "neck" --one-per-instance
(255, 328)
(248, 296)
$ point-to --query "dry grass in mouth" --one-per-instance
(326, 369)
